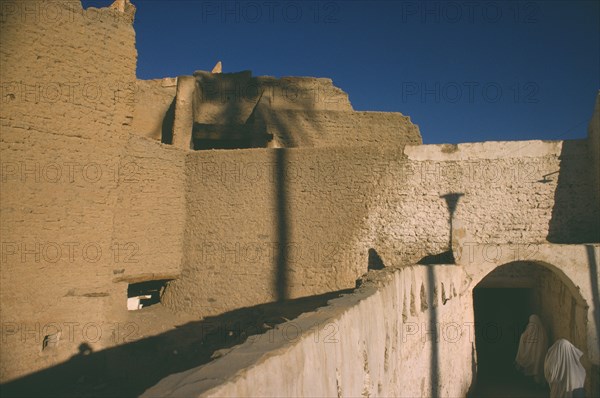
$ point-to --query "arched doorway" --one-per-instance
(502, 303)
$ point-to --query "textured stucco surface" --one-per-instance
(152, 109)
(84, 202)
(510, 192)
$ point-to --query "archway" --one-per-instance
(502, 303)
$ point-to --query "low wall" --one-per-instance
(317, 128)
(295, 111)
(377, 341)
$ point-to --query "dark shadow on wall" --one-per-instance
(374, 262)
(434, 366)
(593, 268)
(235, 113)
(167, 124)
(446, 257)
(281, 186)
(473, 385)
(225, 128)
(575, 217)
(281, 273)
(236, 110)
(130, 369)
(229, 133)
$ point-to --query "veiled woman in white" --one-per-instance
(564, 371)
(532, 349)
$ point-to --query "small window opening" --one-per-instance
(145, 294)
(51, 341)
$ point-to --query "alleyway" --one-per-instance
(508, 384)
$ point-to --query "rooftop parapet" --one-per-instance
(237, 110)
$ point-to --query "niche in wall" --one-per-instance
(145, 294)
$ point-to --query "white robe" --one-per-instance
(532, 349)
(563, 370)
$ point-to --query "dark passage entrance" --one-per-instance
(501, 315)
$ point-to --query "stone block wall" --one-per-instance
(564, 316)
(509, 192)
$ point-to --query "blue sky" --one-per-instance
(463, 71)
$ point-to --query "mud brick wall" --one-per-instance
(86, 205)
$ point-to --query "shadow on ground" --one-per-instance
(508, 384)
(130, 369)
